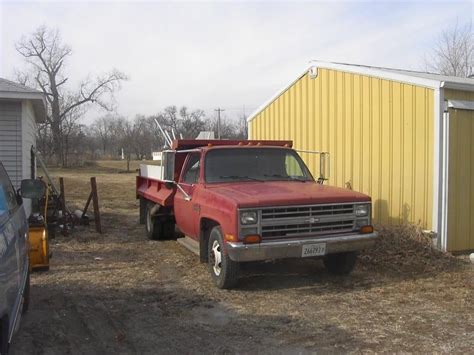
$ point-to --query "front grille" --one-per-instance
(300, 221)
(306, 211)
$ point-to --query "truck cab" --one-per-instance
(240, 201)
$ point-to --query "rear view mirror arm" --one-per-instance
(169, 184)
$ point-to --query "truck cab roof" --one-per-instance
(185, 144)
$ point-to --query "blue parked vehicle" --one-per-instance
(14, 262)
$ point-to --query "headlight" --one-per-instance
(361, 210)
(249, 217)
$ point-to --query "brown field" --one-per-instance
(120, 293)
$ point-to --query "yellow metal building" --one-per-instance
(403, 137)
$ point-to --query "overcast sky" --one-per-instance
(224, 54)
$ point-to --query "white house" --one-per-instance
(21, 109)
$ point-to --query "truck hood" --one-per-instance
(278, 193)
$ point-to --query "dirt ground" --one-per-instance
(121, 293)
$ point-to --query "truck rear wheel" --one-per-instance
(340, 263)
(224, 271)
(157, 229)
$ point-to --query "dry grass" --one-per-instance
(126, 294)
(407, 249)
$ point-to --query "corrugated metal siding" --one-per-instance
(461, 175)
(379, 134)
(10, 140)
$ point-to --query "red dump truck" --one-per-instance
(240, 201)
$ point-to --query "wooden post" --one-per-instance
(95, 202)
(89, 199)
(61, 196)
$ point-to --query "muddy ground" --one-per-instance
(120, 293)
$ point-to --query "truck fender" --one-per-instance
(205, 226)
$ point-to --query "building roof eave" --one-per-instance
(37, 98)
(383, 73)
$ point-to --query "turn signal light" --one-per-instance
(367, 229)
(231, 238)
(252, 239)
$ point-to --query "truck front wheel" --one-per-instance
(340, 263)
(224, 271)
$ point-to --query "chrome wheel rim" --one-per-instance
(217, 257)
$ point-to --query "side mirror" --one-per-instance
(31, 188)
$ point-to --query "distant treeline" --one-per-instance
(138, 137)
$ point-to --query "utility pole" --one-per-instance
(219, 110)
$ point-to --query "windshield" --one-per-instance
(255, 164)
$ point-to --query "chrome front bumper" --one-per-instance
(292, 248)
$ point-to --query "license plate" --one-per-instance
(313, 249)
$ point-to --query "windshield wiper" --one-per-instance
(279, 176)
(236, 177)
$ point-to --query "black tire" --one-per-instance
(341, 263)
(26, 294)
(226, 273)
(157, 229)
(4, 336)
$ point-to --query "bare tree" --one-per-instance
(46, 54)
(102, 128)
(242, 127)
(230, 128)
(453, 53)
(127, 133)
(69, 127)
(44, 140)
(183, 121)
(192, 122)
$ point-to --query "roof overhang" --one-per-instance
(380, 73)
(37, 99)
(461, 104)
(457, 86)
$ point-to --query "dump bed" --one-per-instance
(155, 190)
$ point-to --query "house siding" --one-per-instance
(379, 134)
(10, 140)
(28, 138)
(28, 132)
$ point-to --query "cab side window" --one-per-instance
(191, 173)
(8, 201)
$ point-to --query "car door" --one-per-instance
(187, 211)
(13, 249)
